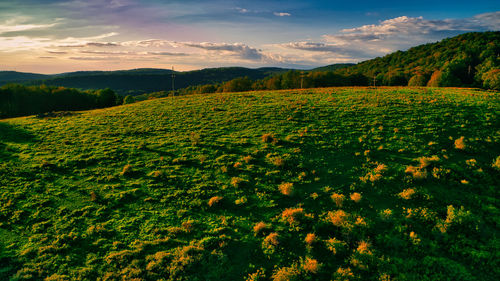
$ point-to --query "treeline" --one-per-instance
(18, 100)
(293, 79)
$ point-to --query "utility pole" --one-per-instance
(173, 78)
(302, 80)
(374, 80)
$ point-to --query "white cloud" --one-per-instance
(148, 43)
(282, 14)
(242, 10)
(19, 24)
(238, 49)
(489, 20)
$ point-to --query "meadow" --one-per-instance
(317, 184)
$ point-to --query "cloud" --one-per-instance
(132, 53)
(241, 50)
(489, 20)
(167, 54)
(57, 52)
(281, 14)
(98, 44)
(242, 10)
(94, 58)
(339, 50)
(148, 43)
(19, 25)
(92, 44)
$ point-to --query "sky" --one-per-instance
(54, 36)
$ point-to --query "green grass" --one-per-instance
(124, 192)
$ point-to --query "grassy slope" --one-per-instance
(71, 207)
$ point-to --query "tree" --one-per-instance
(418, 80)
(491, 79)
(395, 78)
(238, 85)
(128, 99)
(106, 98)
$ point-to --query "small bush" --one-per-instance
(260, 227)
(356, 197)
(216, 200)
(127, 170)
(407, 193)
(338, 199)
(286, 188)
(416, 172)
(496, 163)
(343, 274)
(310, 239)
(364, 248)
(259, 275)
(460, 143)
(237, 181)
(286, 274)
(338, 218)
(335, 246)
(272, 239)
(270, 243)
(311, 265)
(269, 138)
(426, 161)
(293, 215)
(248, 159)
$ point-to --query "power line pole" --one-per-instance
(173, 78)
(302, 80)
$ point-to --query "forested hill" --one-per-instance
(11, 76)
(333, 67)
(470, 59)
(139, 81)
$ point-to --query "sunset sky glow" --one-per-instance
(52, 36)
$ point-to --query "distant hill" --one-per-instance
(470, 59)
(138, 81)
(333, 67)
(14, 76)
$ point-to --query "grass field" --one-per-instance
(322, 184)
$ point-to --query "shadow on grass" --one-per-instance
(12, 134)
